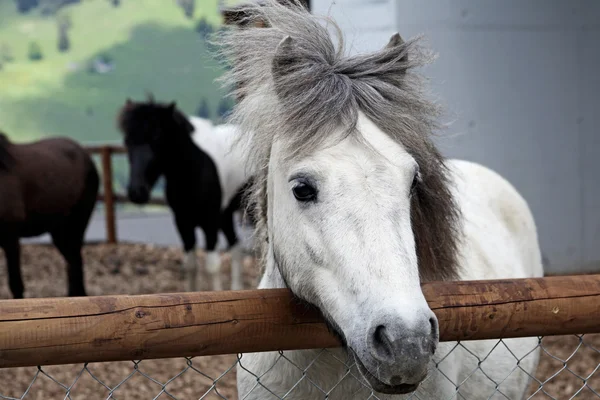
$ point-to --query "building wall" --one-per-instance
(521, 84)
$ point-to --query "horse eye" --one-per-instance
(304, 192)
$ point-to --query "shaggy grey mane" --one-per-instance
(295, 85)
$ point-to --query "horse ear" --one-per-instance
(172, 106)
(284, 57)
(395, 43)
(395, 40)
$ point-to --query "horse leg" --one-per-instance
(213, 258)
(69, 237)
(12, 252)
(235, 249)
(70, 248)
(190, 262)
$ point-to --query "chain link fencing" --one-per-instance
(568, 369)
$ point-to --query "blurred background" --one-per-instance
(519, 80)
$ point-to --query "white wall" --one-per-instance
(521, 80)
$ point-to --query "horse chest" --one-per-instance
(199, 203)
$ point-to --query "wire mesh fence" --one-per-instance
(568, 368)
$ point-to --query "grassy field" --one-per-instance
(153, 45)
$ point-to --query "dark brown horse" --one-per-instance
(47, 186)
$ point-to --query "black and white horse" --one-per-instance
(205, 178)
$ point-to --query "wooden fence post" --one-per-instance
(109, 205)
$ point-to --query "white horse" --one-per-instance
(356, 207)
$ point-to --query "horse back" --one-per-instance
(500, 238)
(47, 177)
(218, 143)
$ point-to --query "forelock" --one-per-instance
(320, 89)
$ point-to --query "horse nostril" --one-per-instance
(382, 344)
(434, 326)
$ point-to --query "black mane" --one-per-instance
(140, 121)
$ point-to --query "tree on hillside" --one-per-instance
(63, 41)
(64, 24)
(35, 52)
(203, 110)
(204, 28)
(188, 6)
(115, 3)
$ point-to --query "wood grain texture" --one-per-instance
(113, 328)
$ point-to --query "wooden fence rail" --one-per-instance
(117, 328)
(108, 197)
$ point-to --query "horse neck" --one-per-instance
(181, 156)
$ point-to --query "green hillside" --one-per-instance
(151, 44)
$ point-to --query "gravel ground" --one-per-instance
(140, 269)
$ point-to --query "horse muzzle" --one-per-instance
(396, 356)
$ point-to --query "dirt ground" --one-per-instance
(140, 269)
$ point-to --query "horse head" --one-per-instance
(151, 131)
